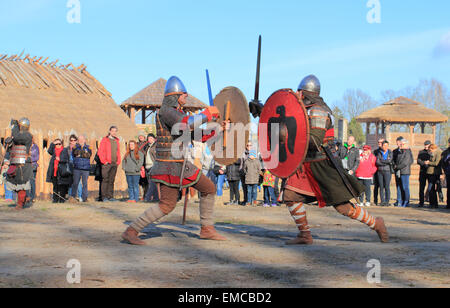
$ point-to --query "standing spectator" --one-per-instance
(98, 176)
(244, 158)
(109, 154)
(351, 159)
(9, 195)
(34, 152)
(150, 156)
(384, 165)
(424, 156)
(220, 173)
(403, 161)
(269, 193)
(57, 171)
(234, 178)
(72, 143)
(365, 172)
(252, 168)
(445, 163)
(81, 167)
(131, 164)
(434, 172)
(376, 185)
(398, 183)
(143, 146)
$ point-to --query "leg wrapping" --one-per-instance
(357, 213)
(298, 213)
(150, 216)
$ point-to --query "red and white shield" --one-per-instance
(283, 133)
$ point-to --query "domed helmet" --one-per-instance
(24, 124)
(174, 86)
(310, 83)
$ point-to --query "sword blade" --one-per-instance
(211, 101)
(258, 71)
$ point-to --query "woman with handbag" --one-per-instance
(59, 171)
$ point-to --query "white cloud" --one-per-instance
(443, 47)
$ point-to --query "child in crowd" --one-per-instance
(269, 192)
(252, 168)
(9, 195)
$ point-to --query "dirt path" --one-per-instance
(35, 246)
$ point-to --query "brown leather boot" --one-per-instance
(381, 230)
(19, 207)
(303, 238)
(131, 236)
(210, 233)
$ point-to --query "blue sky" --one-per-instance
(129, 44)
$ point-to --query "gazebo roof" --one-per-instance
(402, 110)
(152, 96)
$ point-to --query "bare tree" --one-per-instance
(356, 102)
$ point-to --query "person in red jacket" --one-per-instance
(109, 154)
(367, 168)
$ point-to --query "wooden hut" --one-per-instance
(149, 100)
(59, 101)
(402, 111)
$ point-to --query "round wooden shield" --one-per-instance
(233, 106)
(283, 133)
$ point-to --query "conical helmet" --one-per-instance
(310, 83)
(174, 86)
(24, 124)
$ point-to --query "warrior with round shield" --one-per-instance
(173, 173)
(20, 170)
(316, 174)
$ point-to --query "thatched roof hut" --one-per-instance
(150, 99)
(402, 110)
(58, 100)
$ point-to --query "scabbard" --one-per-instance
(340, 170)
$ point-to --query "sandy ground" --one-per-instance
(36, 244)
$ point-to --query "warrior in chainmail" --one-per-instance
(318, 179)
(20, 171)
(168, 169)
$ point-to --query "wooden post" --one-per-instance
(434, 132)
(132, 114)
(40, 179)
(143, 116)
(387, 136)
(411, 132)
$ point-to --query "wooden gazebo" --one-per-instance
(402, 111)
(149, 100)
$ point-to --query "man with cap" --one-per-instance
(318, 179)
(18, 153)
(168, 169)
(423, 156)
